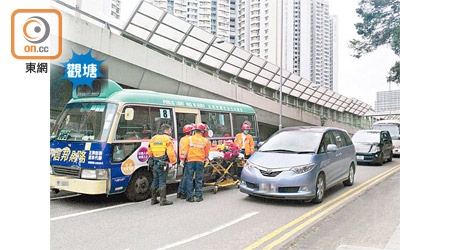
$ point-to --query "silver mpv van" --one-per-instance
(300, 163)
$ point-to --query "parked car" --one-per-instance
(300, 163)
(393, 126)
(373, 146)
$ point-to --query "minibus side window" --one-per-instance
(145, 124)
(136, 129)
(219, 123)
(158, 117)
(239, 119)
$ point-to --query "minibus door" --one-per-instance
(184, 116)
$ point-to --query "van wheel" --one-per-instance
(139, 186)
(351, 176)
(320, 189)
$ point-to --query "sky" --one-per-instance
(359, 78)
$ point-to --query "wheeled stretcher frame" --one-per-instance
(222, 168)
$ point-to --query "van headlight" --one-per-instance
(303, 168)
(96, 174)
(51, 169)
(249, 165)
(375, 149)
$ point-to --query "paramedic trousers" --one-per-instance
(159, 178)
(191, 168)
(182, 186)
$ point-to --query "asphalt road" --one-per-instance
(370, 221)
(226, 220)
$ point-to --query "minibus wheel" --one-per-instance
(139, 186)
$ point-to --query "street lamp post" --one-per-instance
(280, 126)
(218, 41)
(390, 99)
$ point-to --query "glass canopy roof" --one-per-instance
(156, 27)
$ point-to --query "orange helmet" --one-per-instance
(188, 128)
(245, 127)
(200, 126)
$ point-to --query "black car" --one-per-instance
(373, 146)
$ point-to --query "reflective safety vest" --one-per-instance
(245, 141)
(161, 145)
(183, 142)
(196, 148)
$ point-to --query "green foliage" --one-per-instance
(394, 73)
(380, 26)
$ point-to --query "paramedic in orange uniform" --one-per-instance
(187, 130)
(196, 150)
(161, 151)
(245, 141)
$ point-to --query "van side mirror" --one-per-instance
(129, 114)
(332, 148)
(260, 144)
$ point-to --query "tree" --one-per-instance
(380, 26)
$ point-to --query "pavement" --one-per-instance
(393, 243)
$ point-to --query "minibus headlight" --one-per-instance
(303, 168)
(88, 174)
(99, 174)
(51, 169)
(102, 174)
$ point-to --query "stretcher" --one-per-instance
(224, 172)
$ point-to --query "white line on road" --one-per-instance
(99, 210)
(89, 212)
(198, 236)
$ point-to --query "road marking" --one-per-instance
(310, 213)
(310, 221)
(90, 211)
(64, 197)
(198, 236)
(100, 209)
(75, 195)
